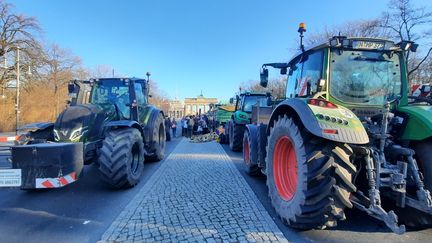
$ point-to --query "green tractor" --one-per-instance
(109, 122)
(347, 135)
(235, 127)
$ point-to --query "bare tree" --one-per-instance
(405, 22)
(158, 97)
(59, 68)
(360, 28)
(275, 86)
(103, 71)
(17, 31)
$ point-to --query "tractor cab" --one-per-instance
(124, 99)
(362, 74)
(245, 101)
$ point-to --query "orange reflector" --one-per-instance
(302, 25)
(330, 131)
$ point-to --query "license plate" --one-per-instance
(10, 178)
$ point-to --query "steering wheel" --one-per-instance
(320, 95)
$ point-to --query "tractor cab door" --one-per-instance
(239, 102)
(306, 75)
(140, 100)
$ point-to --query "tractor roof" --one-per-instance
(254, 93)
(137, 80)
(357, 43)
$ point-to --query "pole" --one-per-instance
(17, 89)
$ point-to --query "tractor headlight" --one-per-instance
(56, 135)
(77, 133)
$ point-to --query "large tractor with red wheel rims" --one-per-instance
(347, 135)
(109, 122)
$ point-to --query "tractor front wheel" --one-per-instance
(236, 138)
(121, 159)
(309, 180)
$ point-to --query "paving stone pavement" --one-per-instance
(197, 195)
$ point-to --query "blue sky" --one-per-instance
(189, 46)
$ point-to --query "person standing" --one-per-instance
(184, 126)
(191, 124)
(174, 127)
(167, 128)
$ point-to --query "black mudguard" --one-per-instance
(48, 165)
(32, 127)
(125, 123)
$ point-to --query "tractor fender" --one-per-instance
(124, 123)
(336, 124)
(418, 124)
(38, 126)
(241, 117)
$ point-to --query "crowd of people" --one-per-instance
(190, 125)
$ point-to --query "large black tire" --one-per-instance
(411, 217)
(121, 160)
(159, 140)
(236, 138)
(250, 154)
(309, 179)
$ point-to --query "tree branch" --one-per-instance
(420, 63)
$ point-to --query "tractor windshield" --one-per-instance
(366, 77)
(252, 100)
(112, 94)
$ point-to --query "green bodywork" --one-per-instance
(343, 117)
(223, 115)
(242, 117)
(419, 124)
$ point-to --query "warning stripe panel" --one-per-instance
(56, 182)
(8, 139)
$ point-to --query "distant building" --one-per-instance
(198, 105)
(176, 109)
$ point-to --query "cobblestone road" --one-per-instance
(196, 195)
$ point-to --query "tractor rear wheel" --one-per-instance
(121, 159)
(309, 180)
(159, 139)
(409, 216)
(250, 154)
(236, 138)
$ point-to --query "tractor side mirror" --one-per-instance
(264, 77)
(71, 87)
(231, 100)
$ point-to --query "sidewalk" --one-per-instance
(196, 195)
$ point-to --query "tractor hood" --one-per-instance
(79, 123)
(419, 125)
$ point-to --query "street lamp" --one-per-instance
(148, 76)
(17, 103)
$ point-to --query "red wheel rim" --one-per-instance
(285, 168)
(246, 152)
